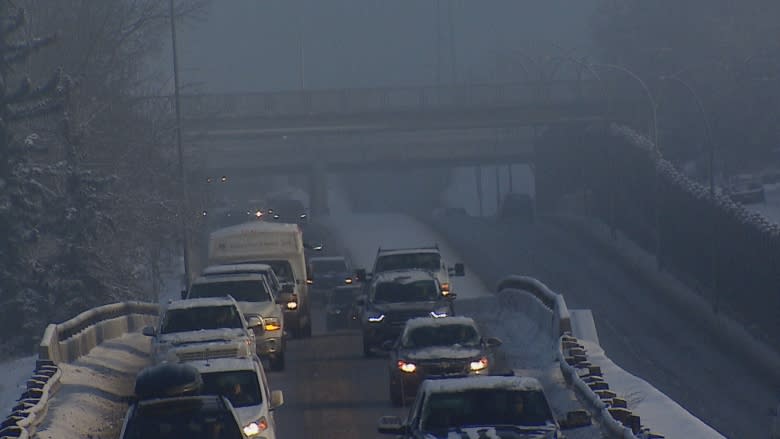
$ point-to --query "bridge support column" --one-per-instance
(318, 191)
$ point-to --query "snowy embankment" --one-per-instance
(656, 410)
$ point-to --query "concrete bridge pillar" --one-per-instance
(318, 191)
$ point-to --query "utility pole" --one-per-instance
(438, 43)
(452, 43)
(301, 47)
(182, 176)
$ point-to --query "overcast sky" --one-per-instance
(252, 45)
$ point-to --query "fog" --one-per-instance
(253, 45)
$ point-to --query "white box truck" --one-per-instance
(279, 245)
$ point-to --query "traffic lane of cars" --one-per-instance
(330, 390)
(641, 333)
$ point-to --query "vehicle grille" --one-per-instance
(399, 318)
(208, 354)
(445, 368)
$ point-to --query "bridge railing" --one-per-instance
(388, 99)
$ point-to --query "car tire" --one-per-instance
(276, 363)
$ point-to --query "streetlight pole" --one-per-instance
(301, 48)
(182, 177)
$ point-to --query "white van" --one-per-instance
(275, 244)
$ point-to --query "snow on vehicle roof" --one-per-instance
(228, 277)
(402, 251)
(201, 302)
(425, 322)
(224, 364)
(327, 258)
(404, 276)
(254, 227)
(451, 385)
(236, 268)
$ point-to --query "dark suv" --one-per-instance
(169, 406)
(394, 297)
(446, 347)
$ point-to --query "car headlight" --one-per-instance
(292, 305)
(407, 366)
(348, 280)
(255, 428)
(437, 314)
(272, 324)
(478, 365)
(376, 317)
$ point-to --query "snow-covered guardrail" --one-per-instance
(585, 378)
(66, 342)
(553, 301)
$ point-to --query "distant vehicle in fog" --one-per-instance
(416, 258)
(325, 274)
(341, 307)
(285, 210)
(517, 206)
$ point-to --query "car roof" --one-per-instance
(201, 302)
(213, 403)
(225, 364)
(402, 251)
(428, 322)
(228, 277)
(404, 276)
(452, 385)
(236, 269)
(327, 258)
(255, 226)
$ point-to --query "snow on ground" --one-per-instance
(362, 234)
(15, 374)
(654, 408)
(92, 399)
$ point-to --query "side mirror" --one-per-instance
(149, 331)
(388, 345)
(277, 399)
(361, 274)
(493, 342)
(183, 294)
(284, 298)
(575, 419)
(450, 296)
(391, 425)
(460, 270)
(255, 323)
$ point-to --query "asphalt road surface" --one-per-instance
(637, 329)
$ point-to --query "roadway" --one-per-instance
(638, 330)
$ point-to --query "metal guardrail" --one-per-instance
(555, 302)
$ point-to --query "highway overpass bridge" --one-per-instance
(318, 131)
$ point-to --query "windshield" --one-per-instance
(282, 269)
(328, 266)
(242, 291)
(185, 421)
(240, 387)
(418, 291)
(200, 318)
(441, 335)
(485, 407)
(408, 261)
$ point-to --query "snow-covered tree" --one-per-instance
(23, 188)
